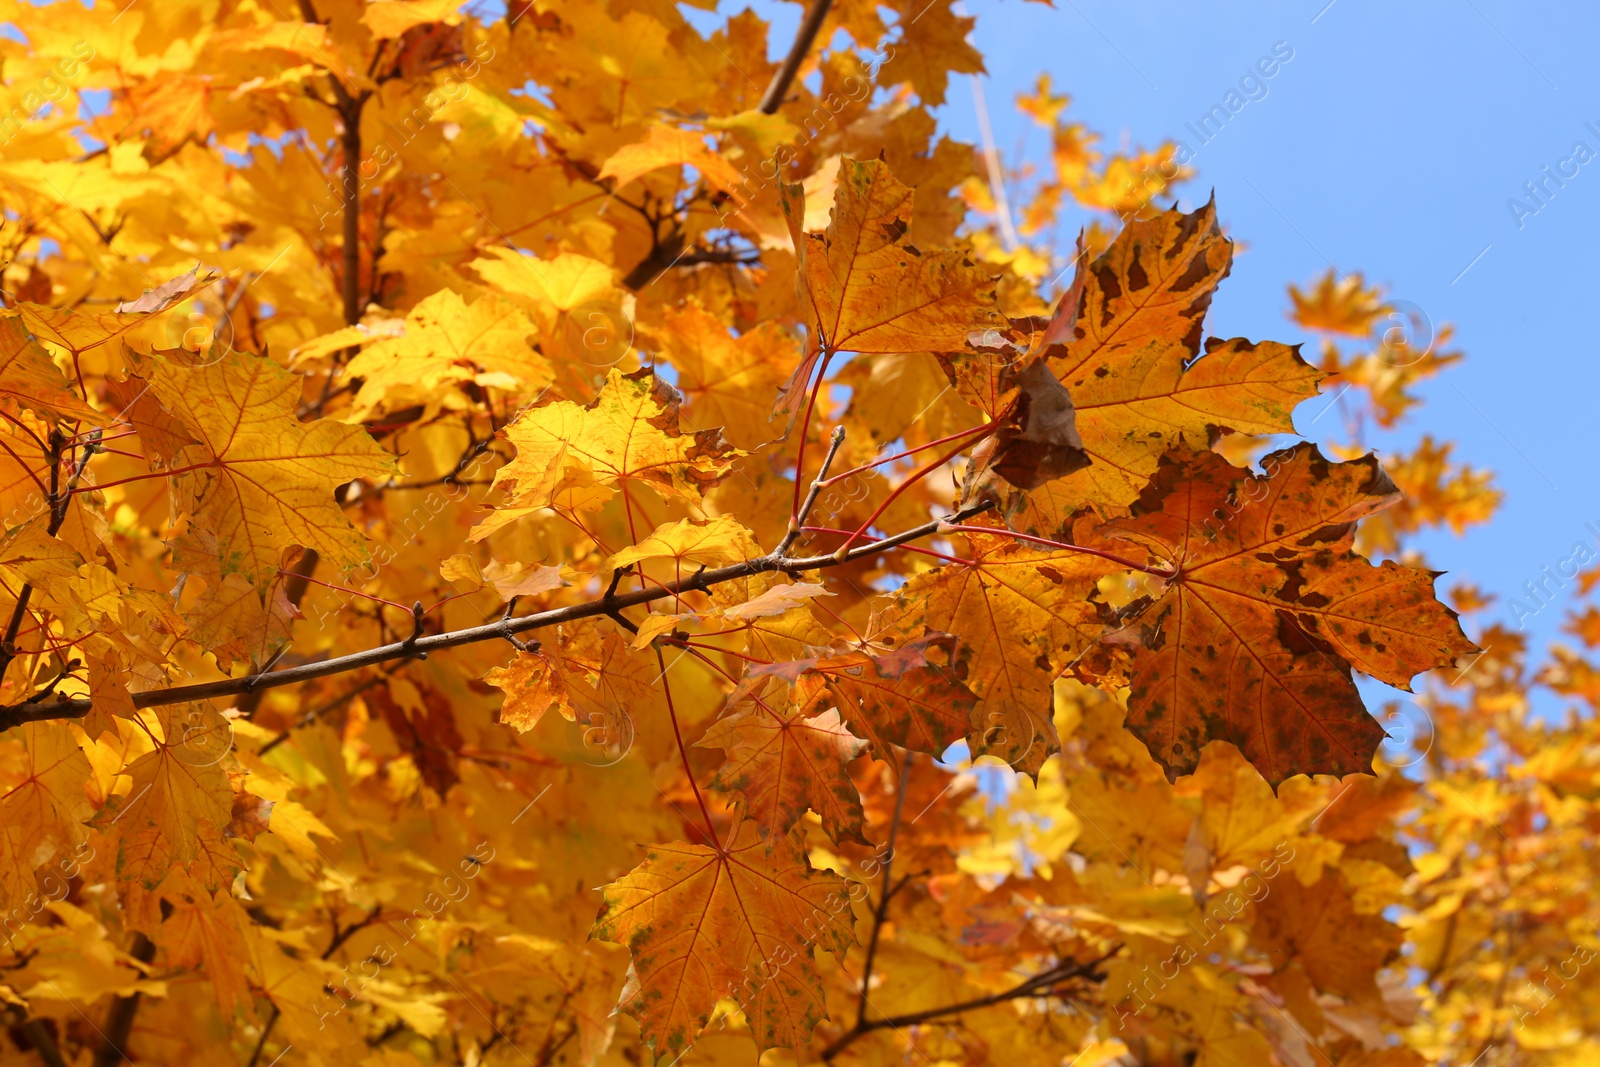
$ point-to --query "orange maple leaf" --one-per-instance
(741, 921)
(1267, 609)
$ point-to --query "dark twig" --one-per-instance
(804, 511)
(516, 642)
(43, 1042)
(66, 672)
(339, 938)
(119, 1023)
(496, 630)
(881, 912)
(1040, 985)
(803, 38)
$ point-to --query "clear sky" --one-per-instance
(1390, 144)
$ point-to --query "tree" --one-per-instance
(402, 541)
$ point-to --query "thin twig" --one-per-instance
(316, 713)
(881, 912)
(1039, 985)
(339, 938)
(804, 511)
(497, 630)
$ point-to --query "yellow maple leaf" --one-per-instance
(868, 289)
(670, 146)
(718, 541)
(445, 342)
(628, 436)
(392, 18)
(258, 478)
(28, 376)
(1139, 378)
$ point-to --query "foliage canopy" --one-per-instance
(552, 538)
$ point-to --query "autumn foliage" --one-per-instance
(548, 537)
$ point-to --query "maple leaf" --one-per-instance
(204, 932)
(1317, 927)
(742, 921)
(356, 817)
(910, 697)
(392, 18)
(80, 333)
(446, 341)
(179, 794)
(668, 146)
(257, 478)
(536, 681)
(28, 376)
(532, 687)
(718, 541)
(43, 811)
(868, 289)
(1019, 614)
(1345, 305)
(425, 727)
(164, 295)
(628, 435)
(1139, 378)
(1268, 609)
(933, 47)
(1036, 439)
(784, 762)
(728, 381)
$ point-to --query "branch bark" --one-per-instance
(881, 912)
(43, 1042)
(119, 1022)
(350, 144)
(1040, 985)
(499, 630)
(803, 38)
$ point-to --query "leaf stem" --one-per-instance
(911, 479)
(683, 753)
(805, 427)
(142, 477)
(972, 432)
(1001, 531)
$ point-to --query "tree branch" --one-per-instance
(59, 500)
(803, 38)
(499, 630)
(119, 1022)
(339, 938)
(1042, 984)
(881, 912)
(42, 1040)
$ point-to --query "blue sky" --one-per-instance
(1390, 144)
